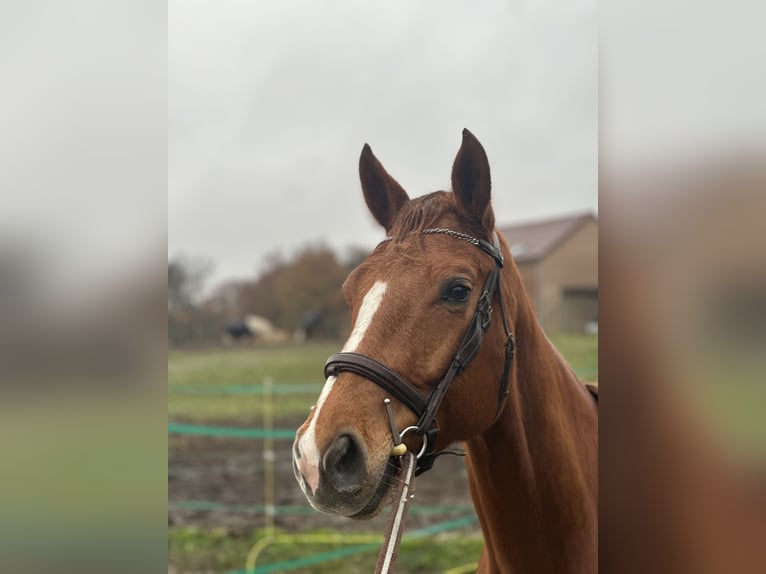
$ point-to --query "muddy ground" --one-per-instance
(230, 472)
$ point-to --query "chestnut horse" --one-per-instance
(531, 452)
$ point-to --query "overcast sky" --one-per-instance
(270, 103)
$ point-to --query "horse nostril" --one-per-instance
(345, 464)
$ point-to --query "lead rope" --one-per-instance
(402, 495)
(390, 549)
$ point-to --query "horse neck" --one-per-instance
(533, 474)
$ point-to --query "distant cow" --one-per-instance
(237, 330)
(253, 326)
(310, 322)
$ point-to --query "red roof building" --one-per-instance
(558, 261)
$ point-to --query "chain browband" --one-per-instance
(426, 407)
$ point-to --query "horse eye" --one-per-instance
(457, 292)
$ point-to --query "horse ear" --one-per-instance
(471, 182)
(384, 196)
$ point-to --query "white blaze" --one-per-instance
(309, 461)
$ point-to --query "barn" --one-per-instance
(558, 261)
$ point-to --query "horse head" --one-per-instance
(413, 302)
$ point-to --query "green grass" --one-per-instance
(250, 365)
(286, 365)
(289, 365)
(581, 351)
(198, 550)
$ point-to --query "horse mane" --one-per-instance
(428, 211)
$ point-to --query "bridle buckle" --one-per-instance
(510, 345)
(486, 319)
(484, 308)
(398, 436)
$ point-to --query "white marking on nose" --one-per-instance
(370, 304)
(309, 452)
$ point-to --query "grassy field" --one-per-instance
(240, 373)
(191, 549)
(243, 367)
(287, 365)
(581, 351)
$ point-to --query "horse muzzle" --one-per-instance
(340, 482)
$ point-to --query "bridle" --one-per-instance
(425, 408)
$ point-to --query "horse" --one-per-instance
(441, 294)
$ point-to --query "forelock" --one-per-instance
(427, 211)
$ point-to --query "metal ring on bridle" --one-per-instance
(425, 440)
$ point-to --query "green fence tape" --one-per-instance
(311, 560)
(442, 527)
(290, 389)
(306, 510)
(258, 390)
(229, 432)
(341, 552)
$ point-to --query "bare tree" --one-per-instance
(186, 280)
(187, 319)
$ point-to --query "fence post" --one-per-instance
(269, 499)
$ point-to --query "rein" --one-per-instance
(390, 548)
(425, 408)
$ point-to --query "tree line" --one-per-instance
(287, 291)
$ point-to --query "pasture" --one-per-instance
(217, 506)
